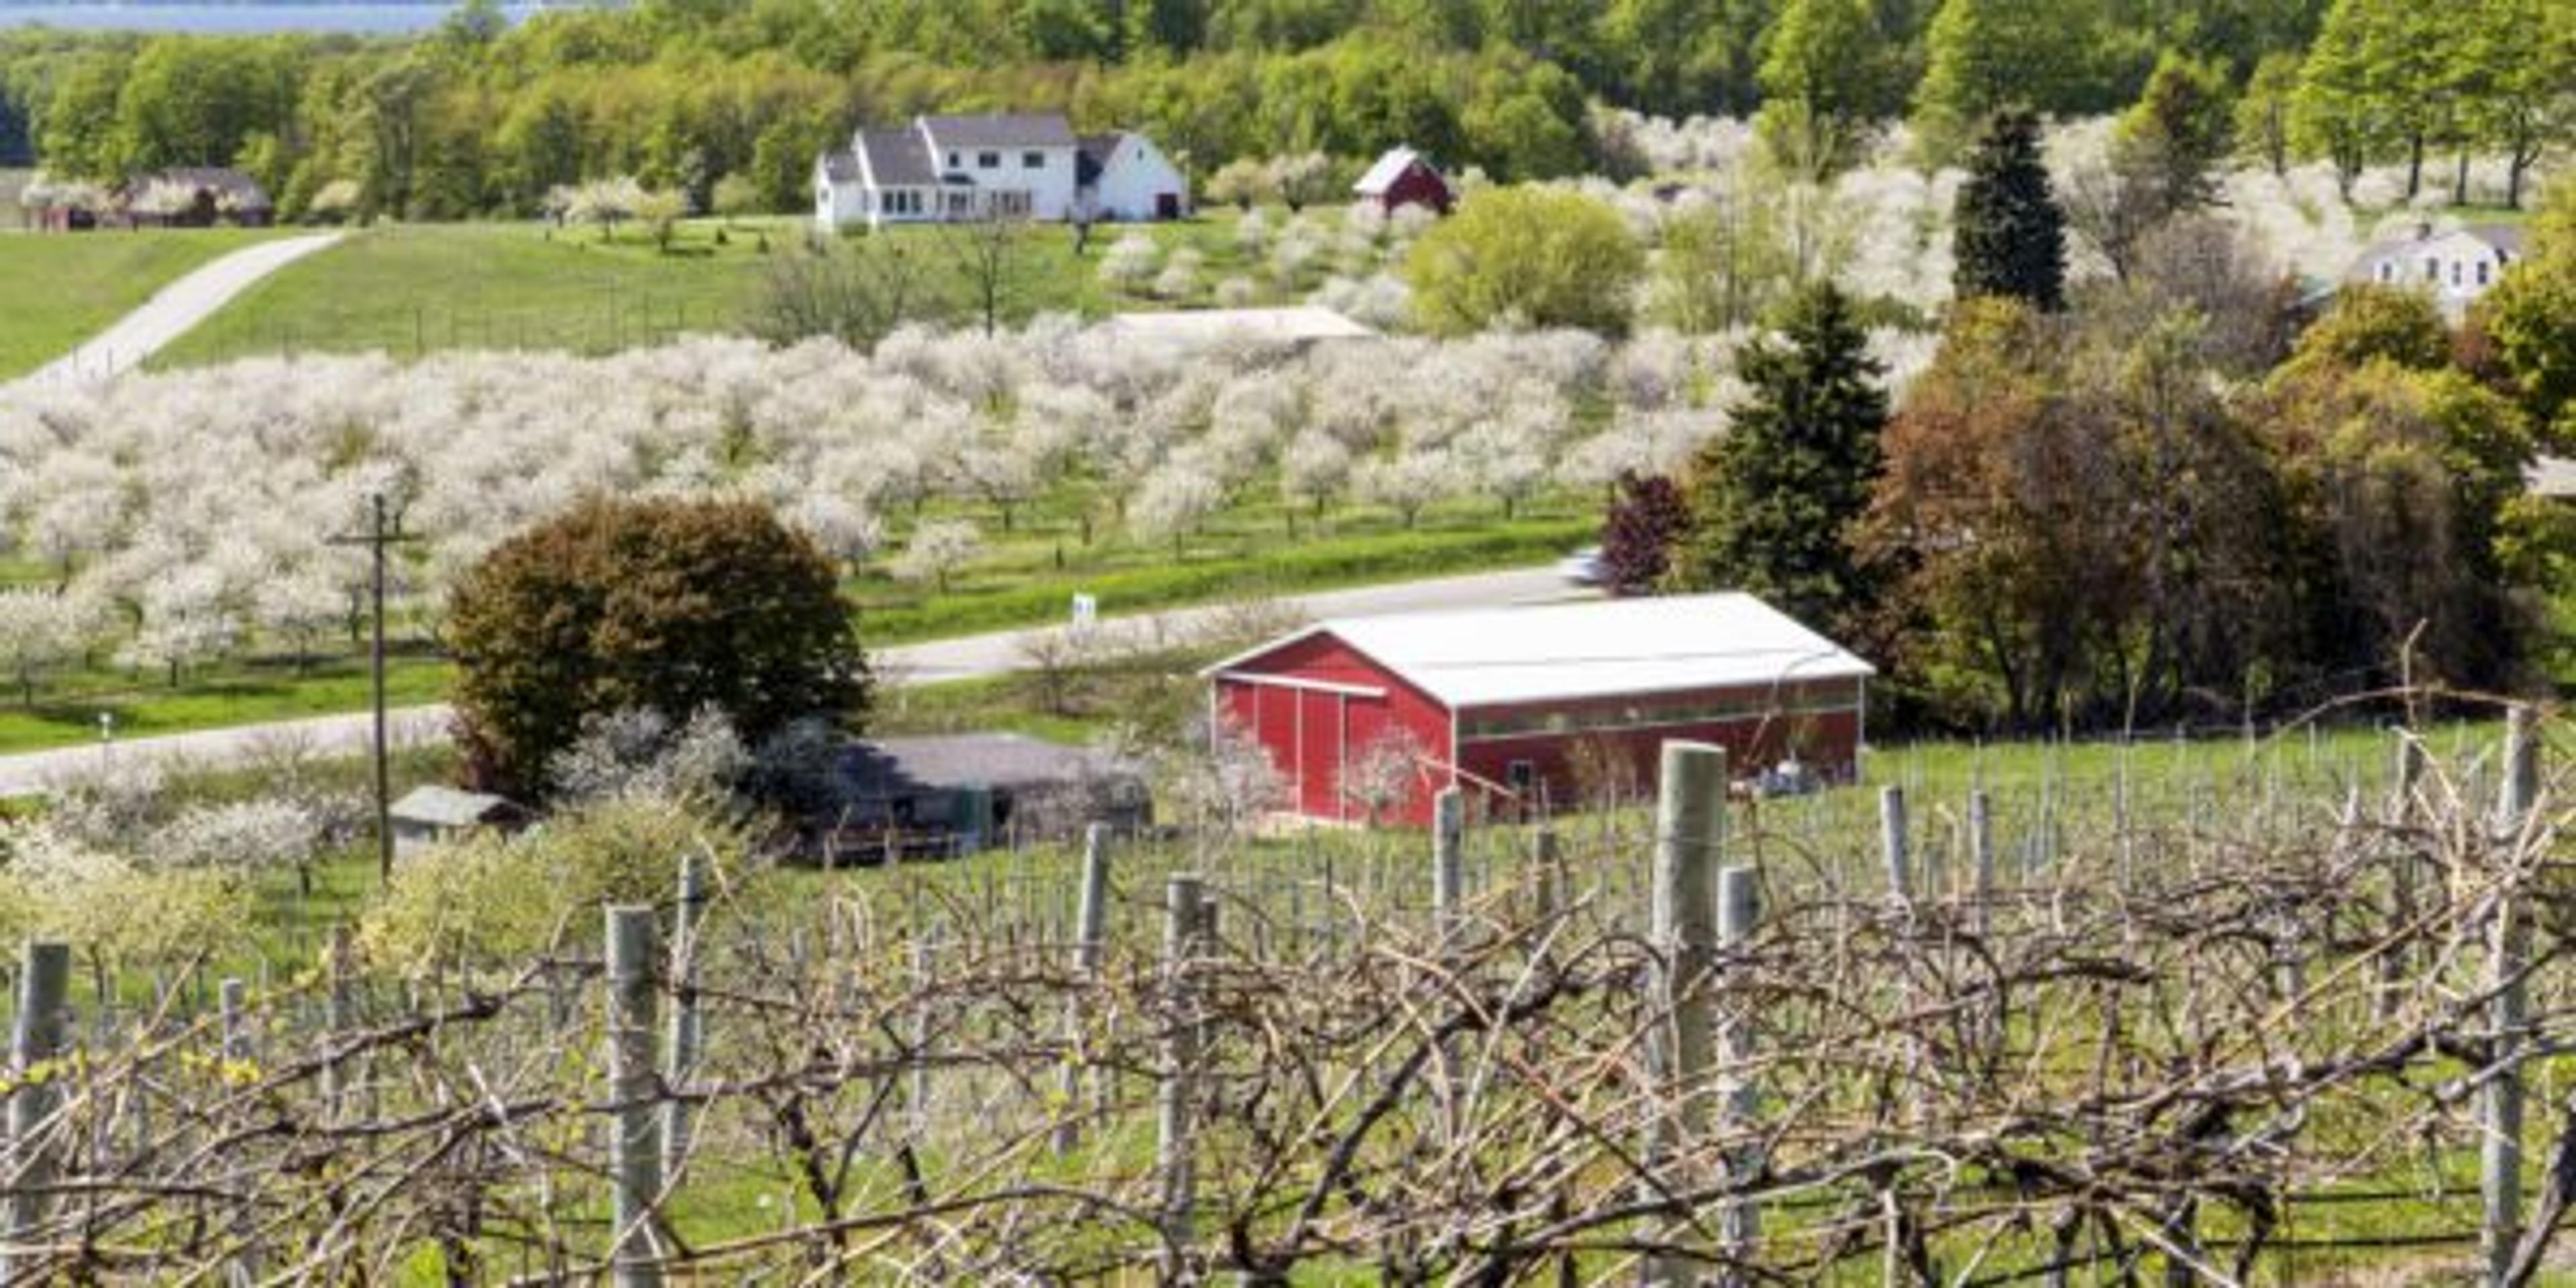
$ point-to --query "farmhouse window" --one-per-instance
(2482, 272)
(1033, 160)
(988, 160)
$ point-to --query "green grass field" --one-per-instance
(88, 280)
(423, 288)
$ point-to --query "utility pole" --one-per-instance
(380, 535)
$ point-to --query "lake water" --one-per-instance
(381, 19)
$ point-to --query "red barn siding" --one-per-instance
(1419, 185)
(1336, 727)
(1313, 734)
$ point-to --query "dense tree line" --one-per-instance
(480, 116)
(2147, 495)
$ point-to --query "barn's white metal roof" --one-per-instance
(1588, 649)
(1295, 324)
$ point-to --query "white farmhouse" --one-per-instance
(945, 169)
(2456, 265)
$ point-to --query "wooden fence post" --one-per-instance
(1090, 930)
(1739, 910)
(1892, 846)
(634, 1145)
(2509, 940)
(233, 1012)
(44, 1023)
(2402, 872)
(339, 1013)
(1690, 838)
(1185, 927)
(1448, 871)
(917, 1094)
(688, 1023)
(1981, 850)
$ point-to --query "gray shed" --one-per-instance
(432, 815)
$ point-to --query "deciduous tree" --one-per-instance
(659, 605)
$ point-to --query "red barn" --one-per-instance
(1403, 177)
(1537, 707)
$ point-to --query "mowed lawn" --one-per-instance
(410, 289)
(421, 288)
(64, 288)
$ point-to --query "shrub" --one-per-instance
(494, 898)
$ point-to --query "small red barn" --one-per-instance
(1403, 177)
(1537, 707)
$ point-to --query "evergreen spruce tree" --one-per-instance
(1771, 499)
(2011, 234)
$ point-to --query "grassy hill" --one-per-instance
(88, 280)
(422, 288)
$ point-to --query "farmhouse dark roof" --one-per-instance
(893, 767)
(841, 166)
(245, 192)
(1001, 130)
(897, 158)
(1093, 156)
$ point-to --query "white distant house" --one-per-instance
(2457, 265)
(944, 169)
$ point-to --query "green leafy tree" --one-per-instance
(1528, 257)
(2371, 323)
(1824, 79)
(2262, 121)
(1985, 56)
(2176, 136)
(1771, 500)
(2517, 61)
(2531, 318)
(662, 605)
(2009, 234)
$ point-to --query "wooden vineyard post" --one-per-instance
(44, 1024)
(339, 1012)
(1690, 838)
(233, 1013)
(688, 1023)
(634, 1145)
(1185, 927)
(1090, 930)
(2402, 872)
(1981, 851)
(1891, 843)
(1448, 871)
(1739, 911)
(1547, 884)
(2509, 951)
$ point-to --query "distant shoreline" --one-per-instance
(255, 17)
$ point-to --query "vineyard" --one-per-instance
(2213, 1013)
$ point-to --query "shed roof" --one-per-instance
(1389, 168)
(1587, 649)
(887, 767)
(447, 807)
